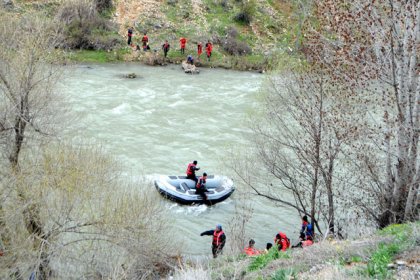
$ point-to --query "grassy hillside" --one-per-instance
(391, 253)
(246, 34)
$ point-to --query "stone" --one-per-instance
(130, 76)
(401, 263)
(391, 266)
(7, 4)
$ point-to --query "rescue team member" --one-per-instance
(145, 41)
(199, 50)
(250, 250)
(219, 240)
(304, 241)
(201, 186)
(209, 49)
(192, 167)
(307, 228)
(165, 48)
(130, 35)
(182, 42)
(282, 241)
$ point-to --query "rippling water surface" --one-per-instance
(159, 122)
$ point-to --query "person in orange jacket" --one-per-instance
(282, 242)
(183, 43)
(199, 50)
(145, 42)
(250, 250)
(209, 49)
(219, 240)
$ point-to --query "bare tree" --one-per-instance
(374, 46)
(94, 222)
(299, 143)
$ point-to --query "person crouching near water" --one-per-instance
(201, 186)
(250, 250)
(190, 60)
(282, 242)
(219, 240)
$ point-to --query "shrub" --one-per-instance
(247, 12)
(103, 5)
(233, 46)
(84, 28)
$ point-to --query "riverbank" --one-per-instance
(391, 253)
(255, 63)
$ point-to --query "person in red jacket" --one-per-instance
(191, 168)
(209, 49)
(199, 50)
(183, 43)
(145, 41)
(219, 240)
(282, 242)
(250, 250)
(201, 186)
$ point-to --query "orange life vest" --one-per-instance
(216, 237)
(250, 251)
(200, 182)
(283, 241)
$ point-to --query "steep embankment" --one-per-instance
(245, 34)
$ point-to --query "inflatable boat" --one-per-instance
(182, 190)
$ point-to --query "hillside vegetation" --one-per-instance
(246, 34)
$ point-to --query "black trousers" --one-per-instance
(216, 250)
(192, 177)
(129, 40)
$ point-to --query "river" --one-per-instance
(164, 119)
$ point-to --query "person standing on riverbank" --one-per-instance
(130, 35)
(183, 43)
(145, 41)
(199, 50)
(209, 49)
(165, 48)
(307, 228)
(219, 240)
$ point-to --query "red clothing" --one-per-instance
(307, 243)
(145, 39)
(251, 251)
(199, 49)
(209, 48)
(282, 241)
(183, 42)
(217, 238)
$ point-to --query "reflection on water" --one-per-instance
(159, 122)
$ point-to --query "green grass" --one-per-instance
(261, 261)
(284, 274)
(98, 56)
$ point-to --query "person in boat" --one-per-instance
(250, 250)
(182, 43)
(165, 48)
(281, 241)
(145, 41)
(307, 228)
(304, 241)
(199, 50)
(201, 186)
(190, 59)
(209, 49)
(191, 168)
(219, 240)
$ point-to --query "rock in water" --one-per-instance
(189, 68)
(131, 76)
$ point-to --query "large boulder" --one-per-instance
(190, 68)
